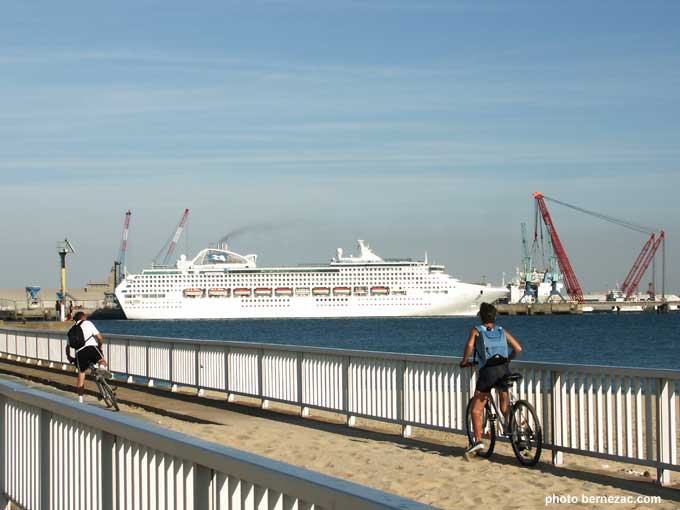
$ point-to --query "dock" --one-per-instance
(571, 308)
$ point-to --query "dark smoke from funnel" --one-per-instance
(249, 229)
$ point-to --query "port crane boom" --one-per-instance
(172, 242)
(120, 270)
(570, 281)
(636, 265)
(645, 264)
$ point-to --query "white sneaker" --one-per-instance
(473, 449)
(80, 399)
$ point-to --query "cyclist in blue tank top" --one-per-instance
(489, 343)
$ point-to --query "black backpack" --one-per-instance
(76, 339)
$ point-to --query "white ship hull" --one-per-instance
(465, 302)
(365, 286)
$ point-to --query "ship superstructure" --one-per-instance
(221, 284)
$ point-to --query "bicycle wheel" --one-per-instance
(525, 433)
(107, 394)
(488, 429)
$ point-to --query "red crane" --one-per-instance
(570, 280)
(636, 265)
(645, 264)
(172, 242)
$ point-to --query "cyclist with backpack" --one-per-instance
(489, 343)
(86, 341)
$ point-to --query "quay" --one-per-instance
(570, 308)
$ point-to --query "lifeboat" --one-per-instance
(218, 292)
(379, 291)
(321, 291)
(302, 291)
(241, 292)
(342, 291)
(283, 291)
(263, 291)
(193, 293)
(360, 291)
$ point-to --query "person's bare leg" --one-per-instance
(477, 408)
(80, 384)
(503, 401)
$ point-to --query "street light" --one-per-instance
(63, 248)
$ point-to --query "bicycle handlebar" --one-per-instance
(470, 364)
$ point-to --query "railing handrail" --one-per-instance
(666, 373)
(221, 458)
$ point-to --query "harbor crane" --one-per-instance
(570, 281)
(171, 243)
(637, 271)
(119, 264)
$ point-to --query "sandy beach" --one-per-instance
(429, 467)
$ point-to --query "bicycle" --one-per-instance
(100, 376)
(522, 426)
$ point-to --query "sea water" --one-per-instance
(646, 340)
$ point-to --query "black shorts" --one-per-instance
(86, 356)
(490, 377)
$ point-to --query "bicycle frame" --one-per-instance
(496, 413)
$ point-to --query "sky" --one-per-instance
(419, 126)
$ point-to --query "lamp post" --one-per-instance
(63, 248)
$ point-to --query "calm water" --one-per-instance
(635, 340)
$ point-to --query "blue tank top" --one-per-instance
(490, 343)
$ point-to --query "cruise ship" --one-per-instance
(221, 284)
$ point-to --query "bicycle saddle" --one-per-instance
(516, 377)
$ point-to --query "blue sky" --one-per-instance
(415, 125)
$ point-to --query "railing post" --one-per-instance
(199, 392)
(127, 361)
(260, 359)
(401, 394)
(664, 429)
(202, 476)
(298, 375)
(173, 386)
(3, 455)
(226, 371)
(107, 470)
(44, 445)
(351, 420)
(149, 381)
(556, 417)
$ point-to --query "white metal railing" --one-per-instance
(623, 414)
(57, 454)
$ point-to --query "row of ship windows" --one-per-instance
(283, 292)
(351, 272)
(251, 281)
(286, 303)
(260, 299)
(275, 277)
(152, 291)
